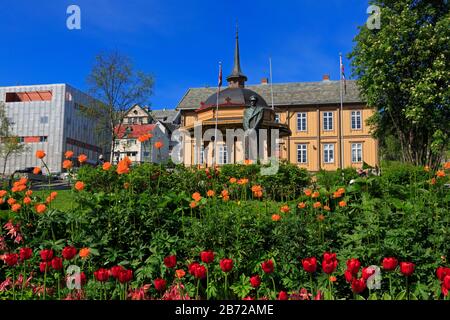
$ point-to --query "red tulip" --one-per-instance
(446, 282)
(226, 265)
(207, 256)
(115, 271)
(25, 253)
(57, 263)
(367, 272)
(348, 276)
(160, 284)
(353, 265)
(192, 267)
(310, 264)
(441, 272)
(390, 263)
(125, 276)
(267, 266)
(444, 290)
(407, 268)
(255, 281)
(102, 275)
(170, 261)
(248, 298)
(358, 285)
(200, 272)
(44, 266)
(329, 262)
(69, 252)
(282, 295)
(82, 278)
(46, 254)
(11, 259)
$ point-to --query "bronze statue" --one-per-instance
(253, 115)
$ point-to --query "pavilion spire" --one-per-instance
(237, 77)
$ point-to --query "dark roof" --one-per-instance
(164, 115)
(170, 126)
(284, 94)
(233, 97)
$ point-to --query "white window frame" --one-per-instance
(328, 121)
(302, 153)
(357, 156)
(277, 117)
(356, 120)
(328, 153)
(223, 154)
(302, 123)
(201, 155)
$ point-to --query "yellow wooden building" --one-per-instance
(313, 128)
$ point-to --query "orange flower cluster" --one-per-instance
(123, 166)
(210, 193)
(315, 194)
(242, 181)
(339, 193)
(79, 186)
(68, 154)
(307, 192)
(51, 197)
(145, 137)
(196, 196)
(342, 204)
(440, 174)
(248, 162)
(276, 217)
(225, 195)
(257, 191)
(317, 205)
(447, 165)
(233, 180)
(67, 164)
(40, 208)
(20, 185)
(301, 205)
(159, 144)
(82, 158)
(106, 166)
(285, 209)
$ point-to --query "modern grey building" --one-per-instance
(47, 117)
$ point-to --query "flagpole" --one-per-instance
(341, 149)
(271, 82)
(217, 111)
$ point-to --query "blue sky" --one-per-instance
(179, 42)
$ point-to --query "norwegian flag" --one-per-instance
(343, 74)
(220, 75)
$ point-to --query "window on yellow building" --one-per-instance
(328, 153)
(356, 120)
(277, 118)
(223, 154)
(356, 152)
(302, 155)
(328, 121)
(301, 121)
(200, 154)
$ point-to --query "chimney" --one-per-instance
(264, 81)
(326, 77)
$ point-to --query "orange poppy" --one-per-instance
(210, 193)
(180, 273)
(68, 154)
(315, 194)
(248, 162)
(193, 204)
(333, 279)
(226, 198)
(307, 192)
(67, 164)
(326, 208)
(29, 193)
(196, 196)
(301, 205)
(79, 186)
(342, 204)
(106, 166)
(84, 253)
(123, 167)
(258, 194)
(447, 165)
(440, 174)
(317, 205)
(320, 217)
(3, 193)
(16, 207)
(233, 180)
(40, 154)
(26, 200)
(276, 217)
(11, 201)
(159, 144)
(285, 209)
(53, 195)
(341, 190)
(82, 158)
(40, 208)
(36, 170)
(433, 181)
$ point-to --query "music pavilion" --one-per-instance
(311, 125)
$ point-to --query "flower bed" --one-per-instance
(157, 232)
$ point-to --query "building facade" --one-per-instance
(137, 122)
(49, 118)
(318, 128)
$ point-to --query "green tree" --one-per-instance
(403, 70)
(116, 85)
(9, 143)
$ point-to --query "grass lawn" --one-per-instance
(64, 201)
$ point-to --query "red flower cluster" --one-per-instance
(443, 274)
(197, 270)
